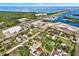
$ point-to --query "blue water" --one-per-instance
(31, 9)
(46, 10)
(68, 14)
(61, 19)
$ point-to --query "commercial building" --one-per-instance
(11, 30)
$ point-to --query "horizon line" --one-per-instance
(39, 4)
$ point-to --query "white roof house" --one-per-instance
(53, 37)
(11, 30)
(18, 39)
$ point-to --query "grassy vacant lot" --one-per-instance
(11, 18)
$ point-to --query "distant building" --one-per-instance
(22, 19)
(11, 30)
(38, 23)
(41, 14)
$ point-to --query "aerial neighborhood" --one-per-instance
(38, 34)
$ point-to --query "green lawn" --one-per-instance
(69, 45)
(11, 18)
(24, 51)
(47, 44)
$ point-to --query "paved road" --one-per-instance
(14, 48)
(1, 40)
(21, 44)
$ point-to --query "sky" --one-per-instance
(39, 4)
